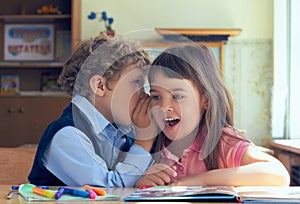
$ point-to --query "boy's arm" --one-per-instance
(72, 159)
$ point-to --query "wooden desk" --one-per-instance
(273, 191)
(288, 152)
(17, 199)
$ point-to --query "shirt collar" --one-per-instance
(198, 142)
(98, 121)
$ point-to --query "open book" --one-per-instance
(217, 194)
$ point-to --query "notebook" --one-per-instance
(25, 190)
(261, 194)
(185, 193)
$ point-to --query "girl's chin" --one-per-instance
(171, 136)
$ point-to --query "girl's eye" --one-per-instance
(155, 98)
(177, 97)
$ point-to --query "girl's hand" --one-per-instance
(157, 175)
(188, 181)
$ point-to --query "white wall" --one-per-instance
(248, 57)
(254, 17)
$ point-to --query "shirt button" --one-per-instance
(181, 168)
(185, 155)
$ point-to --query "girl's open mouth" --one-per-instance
(170, 122)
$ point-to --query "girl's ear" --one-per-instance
(97, 84)
(205, 101)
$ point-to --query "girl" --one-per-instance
(198, 144)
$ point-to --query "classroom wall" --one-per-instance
(248, 57)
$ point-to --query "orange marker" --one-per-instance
(98, 191)
(43, 192)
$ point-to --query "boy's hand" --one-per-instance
(141, 114)
(157, 175)
(145, 128)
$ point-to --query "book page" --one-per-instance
(184, 193)
(268, 192)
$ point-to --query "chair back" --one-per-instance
(15, 165)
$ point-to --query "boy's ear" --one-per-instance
(97, 84)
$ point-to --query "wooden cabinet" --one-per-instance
(23, 119)
(24, 116)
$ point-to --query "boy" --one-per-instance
(93, 142)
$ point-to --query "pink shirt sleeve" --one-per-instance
(232, 148)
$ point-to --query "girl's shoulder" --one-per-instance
(230, 133)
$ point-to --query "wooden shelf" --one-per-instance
(31, 65)
(36, 93)
(199, 31)
(197, 34)
(31, 109)
(34, 16)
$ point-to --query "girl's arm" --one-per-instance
(257, 168)
(158, 174)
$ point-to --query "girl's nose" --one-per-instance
(166, 105)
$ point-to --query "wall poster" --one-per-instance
(29, 42)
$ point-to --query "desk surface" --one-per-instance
(292, 145)
(275, 192)
(17, 199)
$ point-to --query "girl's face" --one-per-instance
(177, 106)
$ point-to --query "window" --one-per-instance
(286, 94)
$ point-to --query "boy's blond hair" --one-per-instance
(105, 56)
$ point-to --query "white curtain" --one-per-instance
(286, 94)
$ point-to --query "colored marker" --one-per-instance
(75, 192)
(145, 186)
(92, 193)
(15, 188)
(59, 193)
(98, 191)
(43, 192)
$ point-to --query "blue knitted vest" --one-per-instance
(39, 174)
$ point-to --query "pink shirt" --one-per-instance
(232, 148)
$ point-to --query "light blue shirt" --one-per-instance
(71, 156)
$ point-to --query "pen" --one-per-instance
(98, 191)
(75, 192)
(43, 192)
(10, 194)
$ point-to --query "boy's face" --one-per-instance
(126, 93)
(177, 106)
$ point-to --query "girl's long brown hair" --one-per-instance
(197, 63)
